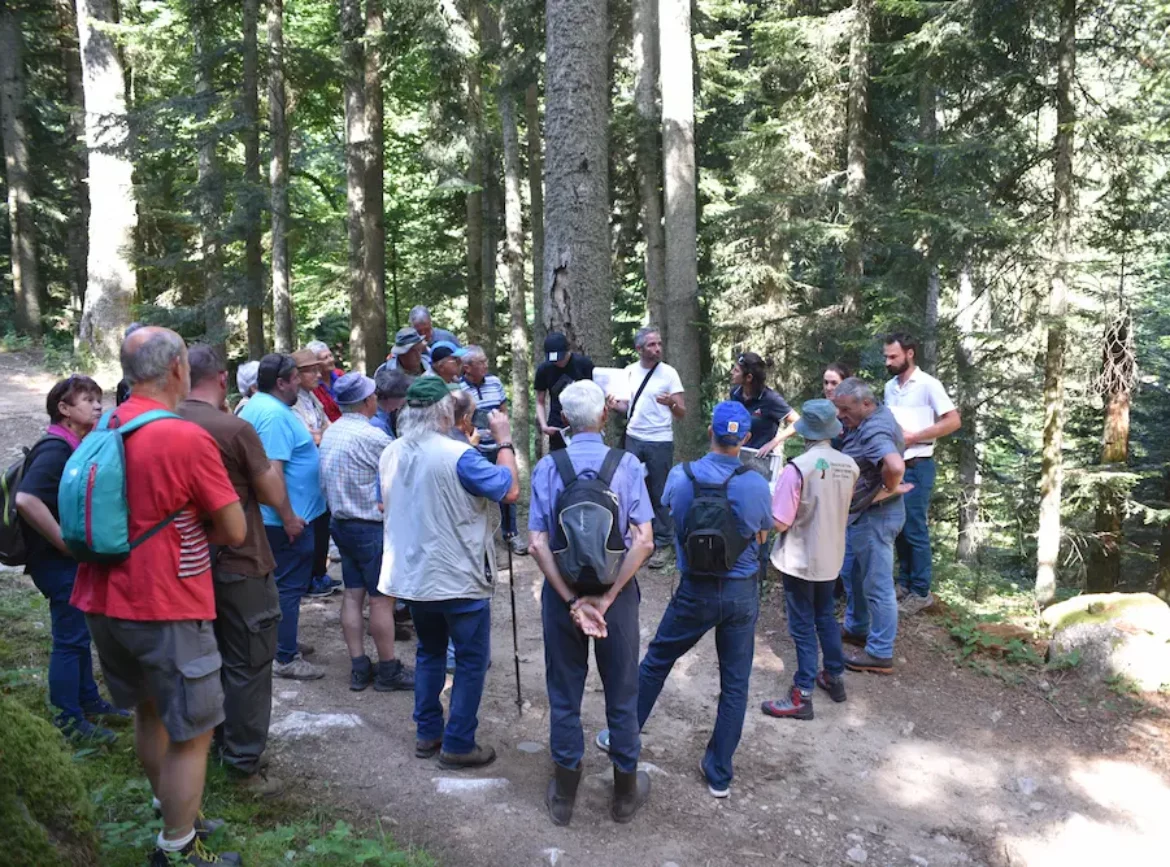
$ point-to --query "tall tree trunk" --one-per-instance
(209, 180)
(110, 268)
(649, 158)
(536, 213)
(357, 142)
(514, 271)
(76, 242)
(856, 158)
(22, 230)
(475, 179)
(970, 319)
(678, 159)
(282, 308)
(927, 136)
(250, 111)
(1162, 582)
(1052, 465)
(492, 204)
(374, 226)
(1118, 376)
(576, 274)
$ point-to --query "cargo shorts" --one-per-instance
(174, 663)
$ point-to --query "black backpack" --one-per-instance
(13, 551)
(588, 544)
(711, 536)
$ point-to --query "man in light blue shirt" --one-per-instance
(291, 450)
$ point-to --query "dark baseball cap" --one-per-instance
(556, 346)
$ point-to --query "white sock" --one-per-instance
(174, 845)
(156, 803)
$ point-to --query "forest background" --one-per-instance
(788, 176)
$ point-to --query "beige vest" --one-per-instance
(814, 546)
(435, 534)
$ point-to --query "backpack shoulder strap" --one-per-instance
(613, 459)
(145, 419)
(564, 466)
(696, 489)
(738, 471)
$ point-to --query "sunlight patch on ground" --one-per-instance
(300, 723)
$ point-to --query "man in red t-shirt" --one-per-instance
(151, 615)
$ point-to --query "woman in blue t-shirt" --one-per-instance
(768, 408)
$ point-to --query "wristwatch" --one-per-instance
(571, 601)
(502, 446)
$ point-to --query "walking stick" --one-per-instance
(508, 537)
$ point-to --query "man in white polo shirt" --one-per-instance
(655, 401)
(921, 405)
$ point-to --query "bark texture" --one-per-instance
(475, 178)
(282, 309)
(927, 136)
(855, 171)
(110, 282)
(77, 242)
(250, 116)
(209, 182)
(374, 224)
(1051, 460)
(536, 213)
(357, 142)
(649, 158)
(576, 275)
(22, 230)
(514, 274)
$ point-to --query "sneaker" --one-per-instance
(716, 791)
(519, 546)
(299, 669)
(796, 705)
(855, 638)
(101, 707)
(833, 684)
(204, 827)
(194, 854)
(427, 749)
(82, 732)
(912, 603)
(477, 758)
(602, 740)
(860, 660)
(393, 676)
(660, 559)
(901, 591)
(336, 582)
(320, 588)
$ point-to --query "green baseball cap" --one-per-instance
(426, 391)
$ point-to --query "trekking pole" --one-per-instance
(508, 537)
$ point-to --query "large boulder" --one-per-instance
(1115, 634)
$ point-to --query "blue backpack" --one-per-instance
(95, 519)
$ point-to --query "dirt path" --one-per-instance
(936, 765)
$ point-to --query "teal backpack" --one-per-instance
(95, 519)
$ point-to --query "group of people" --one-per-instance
(411, 474)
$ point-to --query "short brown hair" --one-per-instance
(68, 390)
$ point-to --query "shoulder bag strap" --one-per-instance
(564, 466)
(613, 459)
(641, 388)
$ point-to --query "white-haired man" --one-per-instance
(246, 375)
(655, 400)
(591, 604)
(440, 519)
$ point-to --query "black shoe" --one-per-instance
(860, 660)
(402, 615)
(477, 758)
(834, 685)
(427, 749)
(393, 676)
(562, 794)
(630, 793)
(361, 676)
(195, 854)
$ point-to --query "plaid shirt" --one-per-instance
(350, 450)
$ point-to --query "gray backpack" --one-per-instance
(587, 543)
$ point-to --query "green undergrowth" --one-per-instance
(58, 802)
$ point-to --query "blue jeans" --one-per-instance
(730, 606)
(812, 615)
(913, 543)
(71, 683)
(658, 458)
(566, 665)
(294, 571)
(871, 606)
(360, 545)
(468, 624)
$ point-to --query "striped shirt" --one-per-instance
(194, 553)
(489, 395)
(350, 450)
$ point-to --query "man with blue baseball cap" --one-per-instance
(447, 360)
(811, 510)
(719, 506)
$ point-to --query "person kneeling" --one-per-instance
(811, 509)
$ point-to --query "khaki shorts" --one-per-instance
(174, 663)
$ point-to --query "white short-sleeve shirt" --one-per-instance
(917, 405)
(650, 420)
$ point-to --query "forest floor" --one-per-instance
(939, 764)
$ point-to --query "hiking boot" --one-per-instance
(260, 785)
(562, 794)
(854, 638)
(402, 632)
(860, 660)
(393, 676)
(796, 705)
(305, 649)
(194, 854)
(402, 615)
(82, 732)
(660, 559)
(298, 669)
(912, 603)
(901, 591)
(602, 740)
(204, 827)
(427, 749)
(630, 792)
(477, 758)
(833, 684)
(101, 707)
(360, 675)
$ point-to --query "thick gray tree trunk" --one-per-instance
(678, 159)
(282, 308)
(77, 245)
(250, 111)
(110, 267)
(576, 272)
(1051, 460)
(649, 157)
(374, 224)
(855, 171)
(22, 230)
(473, 203)
(209, 181)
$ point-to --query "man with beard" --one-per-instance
(925, 412)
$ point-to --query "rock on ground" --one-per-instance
(1115, 634)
